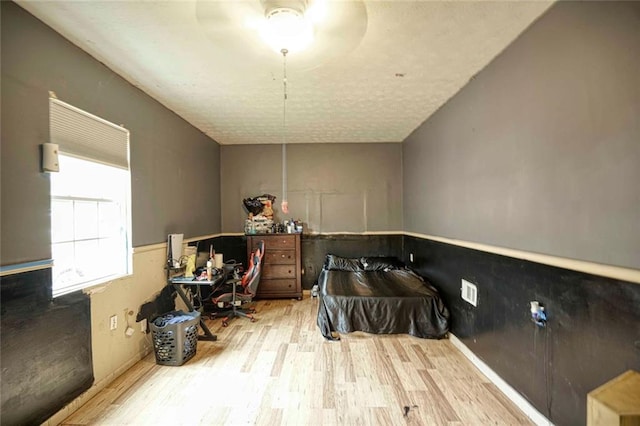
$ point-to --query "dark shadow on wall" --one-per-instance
(163, 302)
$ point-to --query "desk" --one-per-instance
(178, 282)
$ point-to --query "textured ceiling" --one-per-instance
(413, 57)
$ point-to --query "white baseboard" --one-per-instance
(515, 397)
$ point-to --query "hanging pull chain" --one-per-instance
(285, 203)
(284, 103)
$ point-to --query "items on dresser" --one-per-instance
(281, 269)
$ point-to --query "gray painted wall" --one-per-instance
(541, 151)
(331, 187)
(173, 188)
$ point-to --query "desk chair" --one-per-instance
(240, 291)
(260, 250)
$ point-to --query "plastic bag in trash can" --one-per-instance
(174, 317)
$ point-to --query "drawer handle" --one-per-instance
(283, 255)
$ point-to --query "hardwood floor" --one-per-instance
(280, 370)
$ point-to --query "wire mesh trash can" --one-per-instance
(175, 337)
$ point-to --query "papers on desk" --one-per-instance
(184, 280)
(192, 281)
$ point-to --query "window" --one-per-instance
(90, 201)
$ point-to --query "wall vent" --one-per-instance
(469, 292)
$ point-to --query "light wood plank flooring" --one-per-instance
(280, 371)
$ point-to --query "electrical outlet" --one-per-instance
(113, 322)
(469, 292)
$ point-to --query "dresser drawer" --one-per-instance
(276, 241)
(286, 257)
(278, 271)
(277, 286)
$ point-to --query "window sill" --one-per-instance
(92, 287)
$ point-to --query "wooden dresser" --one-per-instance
(281, 267)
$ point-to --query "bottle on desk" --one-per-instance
(209, 269)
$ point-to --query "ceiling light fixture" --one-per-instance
(287, 28)
(326, 30)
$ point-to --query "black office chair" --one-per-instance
(239, 292)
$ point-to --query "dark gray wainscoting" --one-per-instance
(314, 249)
(232, 247)
(46, 348)
(593, 332)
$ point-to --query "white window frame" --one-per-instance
(92, 139)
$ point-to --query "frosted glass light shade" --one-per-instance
(286, 28)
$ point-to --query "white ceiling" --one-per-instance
(229, 84)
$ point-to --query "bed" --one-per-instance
(377, 295)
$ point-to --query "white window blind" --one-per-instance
(90, 200)
(84, 135)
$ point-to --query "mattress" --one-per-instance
(380, 300)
